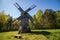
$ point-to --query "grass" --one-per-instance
(34, 35)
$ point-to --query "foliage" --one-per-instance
(57, 15)
(37, 19)
(5, 21)
(16, 24)
(48, 19)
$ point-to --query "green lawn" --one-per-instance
(34, 35)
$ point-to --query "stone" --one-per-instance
(17, 36)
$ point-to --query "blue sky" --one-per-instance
(9, 8)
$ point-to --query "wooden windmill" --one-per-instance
(24, 18)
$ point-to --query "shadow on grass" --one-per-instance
(41, 32)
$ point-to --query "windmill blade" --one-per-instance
(30, 8)
(18, 7)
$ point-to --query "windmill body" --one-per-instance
(24, 18)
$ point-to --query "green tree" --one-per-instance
(9, 22)
(4, 21)
(57, 15)
(16, 24)
(38, 19)
(49, 20)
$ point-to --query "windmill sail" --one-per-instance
(30, 8)
(18, 7)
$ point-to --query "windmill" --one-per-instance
(24, 18)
